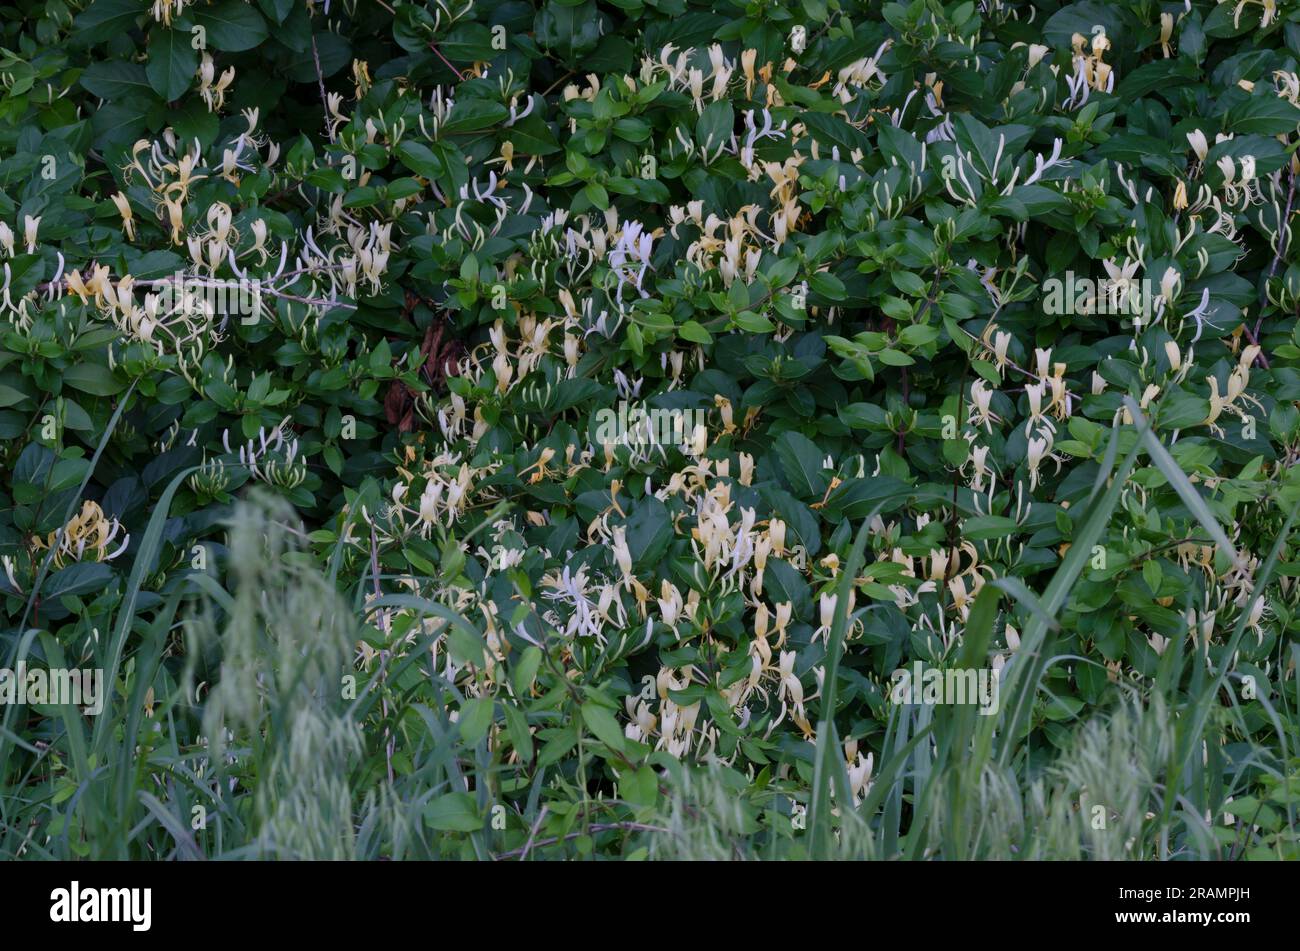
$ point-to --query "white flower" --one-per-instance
(30, 225)
(622, 555)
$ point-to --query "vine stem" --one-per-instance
(320, 80)
(1262, 359)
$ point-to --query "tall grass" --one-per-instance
(967, 780)
(284, 642)
(253, 747)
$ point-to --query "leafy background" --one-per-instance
(828, 226)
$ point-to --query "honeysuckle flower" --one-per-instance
(1041, 165)
(1200, 314)
(1173, 355)
(980, 414)
(1166, 33)
(1268, 10)
(746, 468)
(622, 555)
(30, 226)
(164, 11)
(1238, 380)
(670, 603)
(429, 500)
(1060, 403)
(784, 611)
(334, 108)
(74, 283)
(1239, 183)
(826, 606)
(124, 209)
(1148, 394)
(1120, 278)
(860, 775)
(258, 227)
(724, 408)
(211, 88)
(1170, 282)
(978, 461)
(641, 721)
(791, 688)
(861, 74)
(88, 536)
(1001, 341)
(175, 218)
(1042, 362)
(776, 532)
(1034, 394)
(1039, 449)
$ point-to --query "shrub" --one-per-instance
(654, 381)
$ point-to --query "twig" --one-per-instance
(541, 817)
(324, 99)
(445, 62)
(1253, 337)
(1261, 359)
(551, 88)
(1015, 366)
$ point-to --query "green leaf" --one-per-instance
(10, 396)
(526, 671)
(475, 719)
(980, 527)
(827, 285)
(453, 812)
(93, 378)
(172, 62)
(894, 358)
(801, 461)
(603, 726)
(419, 158)
(1263, 115)
(1180, 483)
(104, 19)
(115, 79)
(649, 531)
(232, 25)
(909, 283)
(714, 126)
(693, 332)
(568, 31)
(81, 578)
(517, 727)
(917, 335)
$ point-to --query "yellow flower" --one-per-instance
(124, 209)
